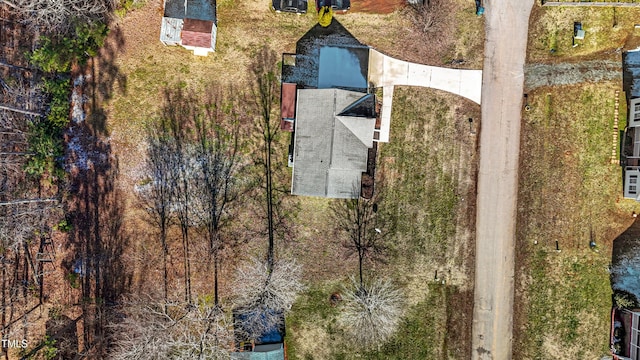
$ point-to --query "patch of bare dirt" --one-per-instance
(377, 6)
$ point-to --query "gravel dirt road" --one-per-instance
(537, 75)
(502, 89)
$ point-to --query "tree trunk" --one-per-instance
(362, 228)
(165, 253)
(214, 241)
(269, 201)
(16, 153)
(187, 263)
(9, 3)
(4, 308)
(21, 111)
(27, 201)
(215, 277)
(360, 267)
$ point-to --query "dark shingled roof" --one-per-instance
(195, 9)
(631, 73)
(306, 71)
(199, 26)
(364, 107)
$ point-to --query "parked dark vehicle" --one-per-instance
(337, 5)
(292, 6)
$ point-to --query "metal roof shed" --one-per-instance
(191, 24)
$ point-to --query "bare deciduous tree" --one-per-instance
(193, 159)
(364, 230)
(57, 15)
(184, 331)
(261, 295)
(428, 16)
(371, 313)
(217, 135)
(265, 93)
(180, 111)
(432, 21)
(158, 195)
(29, 208)
(20, 222)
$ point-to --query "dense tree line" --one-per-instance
(29, 205)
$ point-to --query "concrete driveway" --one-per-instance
(387, 72)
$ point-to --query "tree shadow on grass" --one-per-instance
(94, 205)
(625, 261)
(105, 78)
(99, 239)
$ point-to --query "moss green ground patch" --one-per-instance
(311, 324)
(570, 305)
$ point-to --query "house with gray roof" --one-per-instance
(327, 106)
(191, 24)
(333, 135)
(325, 58)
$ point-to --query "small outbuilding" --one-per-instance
(191, 24)
(578, 31)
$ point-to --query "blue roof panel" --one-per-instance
(341, 67)
(631, 73)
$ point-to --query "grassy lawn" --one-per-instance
(570, 193)
(569, 307)
(423, 198)
(419, 175)
(427, 169)
(312, 332)
(606, 29)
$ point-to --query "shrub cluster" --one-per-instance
(55, 56)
